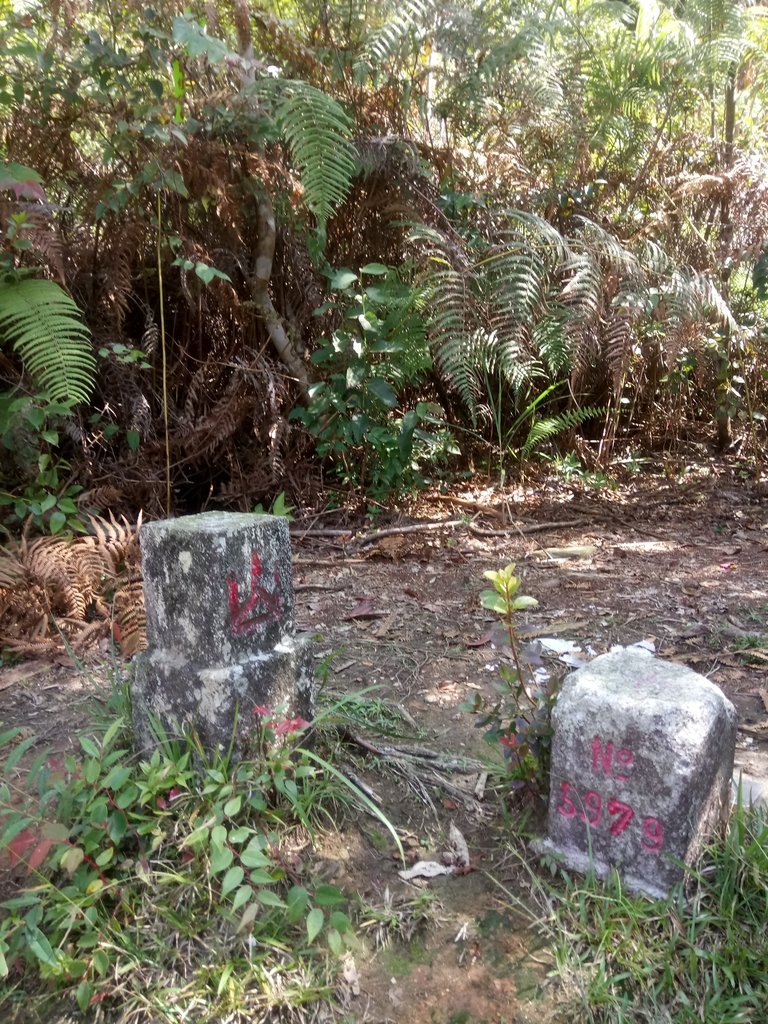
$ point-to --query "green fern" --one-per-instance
(413, 16)
(543, 429)
(43, 324)
(318, 132)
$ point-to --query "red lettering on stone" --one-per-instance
(652, 838)
(626, 759)
(602, 758)
(593, 807)
(623, 814)
(653, 835)
(262, 605)
(567, 807)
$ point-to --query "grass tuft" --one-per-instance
(697, 958)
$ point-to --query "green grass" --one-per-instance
(696, 958)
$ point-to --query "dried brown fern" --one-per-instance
(129, 618)
(60, 590)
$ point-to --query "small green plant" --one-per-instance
(48, 500)
(572, 470)
(396, 917)
(279, 507)
(520, 718)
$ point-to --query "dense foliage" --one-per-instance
(423, 230)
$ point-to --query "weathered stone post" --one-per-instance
(218, 591)
(642, 759)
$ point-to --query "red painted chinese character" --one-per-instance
(262, 605)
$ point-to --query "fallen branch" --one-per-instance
(391, 531)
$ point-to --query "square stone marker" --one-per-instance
(218, 591)
(642, 759)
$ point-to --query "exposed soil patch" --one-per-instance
(683, 569)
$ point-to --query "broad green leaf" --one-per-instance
(335, 943)
(340, 921)
(383, 391)
(342, 279)
(101, 962)
(89, 746)
(231, 807)
(72, 859)
(57, 522)
(269, 898)
(221, 858)
(117, 826)
(243, 894)
(524, 602)
(253, 856)
(231, 879)
(377, 269)
(117, 777)
(193, 37)
(118, 723)
(239, 835)
(493, 602)
(297, 900)
(55, 830)
(315, 919)
(329, 896)
(84, 995)
(39, 945)
(17, 753)
(261, 877)
(91, 770)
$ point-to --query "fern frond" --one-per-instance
(318, 132)
(386, 41)
(542, 234)
(449, 305)
(43, 324)
(543, 429)
(551, 343)
(608, 247)
(626, 310)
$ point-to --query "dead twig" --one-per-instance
(526, 529)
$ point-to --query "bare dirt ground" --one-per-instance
(684, 568)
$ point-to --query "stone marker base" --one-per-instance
(214, 700)
(642, 759)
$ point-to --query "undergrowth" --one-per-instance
(172, 886)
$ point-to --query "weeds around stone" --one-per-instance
(170, 886)
(700, 955)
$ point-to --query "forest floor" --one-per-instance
(681, 567)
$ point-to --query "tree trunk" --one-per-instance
(260, 275)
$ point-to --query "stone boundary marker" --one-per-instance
(642, 760)
(218, 591)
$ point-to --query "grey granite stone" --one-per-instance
(642, 759)
(218, 593)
